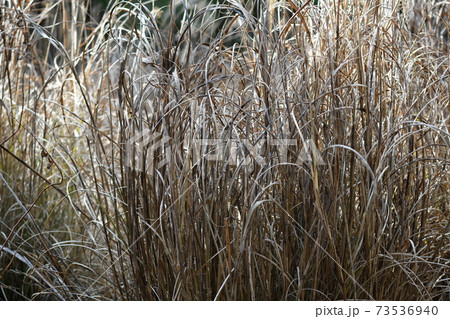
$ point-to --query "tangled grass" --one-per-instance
(85, 217)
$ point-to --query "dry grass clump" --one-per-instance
(163, 154)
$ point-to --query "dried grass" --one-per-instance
(84, 217)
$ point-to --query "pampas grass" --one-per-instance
(84, 216)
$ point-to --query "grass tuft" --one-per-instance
(230, 150)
